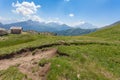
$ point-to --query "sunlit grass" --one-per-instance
(12, 73)
(90, 57)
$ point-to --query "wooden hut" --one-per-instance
(16, 30)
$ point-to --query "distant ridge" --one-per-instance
(111, 32)
(39, 26)
(1, 24)
(75, 32)
(86, 26)
(118, 22)
(60, 29)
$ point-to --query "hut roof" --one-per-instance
(16, 28)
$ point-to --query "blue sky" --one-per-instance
(72, 12)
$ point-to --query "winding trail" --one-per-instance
(26, 57)
(27, 63)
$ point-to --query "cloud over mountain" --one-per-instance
(25, 8)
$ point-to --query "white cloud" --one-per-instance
(55, 20)
(67, 0)
(73, 24)
(78, 23)
(29, 11)
(36, 18)
(71, 15)
(25, 8)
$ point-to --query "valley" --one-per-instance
(94, 56)
(53, 27)
(59, 39)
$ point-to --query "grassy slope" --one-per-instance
(12, 73)
(86, 61)
(90, 61)
(109, 33)
(13, 43)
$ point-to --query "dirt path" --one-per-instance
(28, 63)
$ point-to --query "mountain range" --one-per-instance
(60, 29)
(1, 24)
(75, 31)
(38, 26)
(85, 26)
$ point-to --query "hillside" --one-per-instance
(111, 32)
(34, 56)
(75, 32)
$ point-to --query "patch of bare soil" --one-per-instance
(28, 63)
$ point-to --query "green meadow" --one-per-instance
(94, 56)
